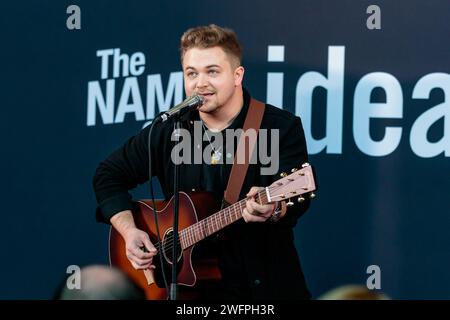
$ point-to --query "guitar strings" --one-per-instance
(197, 227)
(168, 241)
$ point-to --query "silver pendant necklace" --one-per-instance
(216, 156)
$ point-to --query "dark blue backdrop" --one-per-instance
(390, 210)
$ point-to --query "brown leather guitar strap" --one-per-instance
(239, 170)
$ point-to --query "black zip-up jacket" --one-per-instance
(257, 260)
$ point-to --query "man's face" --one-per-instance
(209, 73)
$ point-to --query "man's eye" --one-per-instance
(213, 72)
(192, 74)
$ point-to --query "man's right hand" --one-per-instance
(139, 249)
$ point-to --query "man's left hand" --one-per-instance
(255, 212)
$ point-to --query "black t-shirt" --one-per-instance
(214, 179)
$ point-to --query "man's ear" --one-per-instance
(238, 75)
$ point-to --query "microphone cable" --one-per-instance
(155, 215)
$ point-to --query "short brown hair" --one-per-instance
(212, 36)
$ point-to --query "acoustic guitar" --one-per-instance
(195, 224)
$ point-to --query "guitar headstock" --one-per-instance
(298, 183)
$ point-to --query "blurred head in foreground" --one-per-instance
(102, 283)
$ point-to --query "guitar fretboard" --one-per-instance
(215, 222)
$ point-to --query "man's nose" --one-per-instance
(202, 81)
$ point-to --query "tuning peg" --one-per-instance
(306, 164)
(283, 174)
(293, 170)
(289, 203)
(300, 199)
(312, 195)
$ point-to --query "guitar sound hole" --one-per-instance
(168, 247)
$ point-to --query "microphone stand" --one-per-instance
(173, 286)
(177, 112)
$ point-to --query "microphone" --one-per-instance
(189, 104)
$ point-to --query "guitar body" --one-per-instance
(195, 264)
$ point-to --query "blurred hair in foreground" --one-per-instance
(353, 292)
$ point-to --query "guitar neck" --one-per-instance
(215, 222)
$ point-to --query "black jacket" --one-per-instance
(262, 255)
